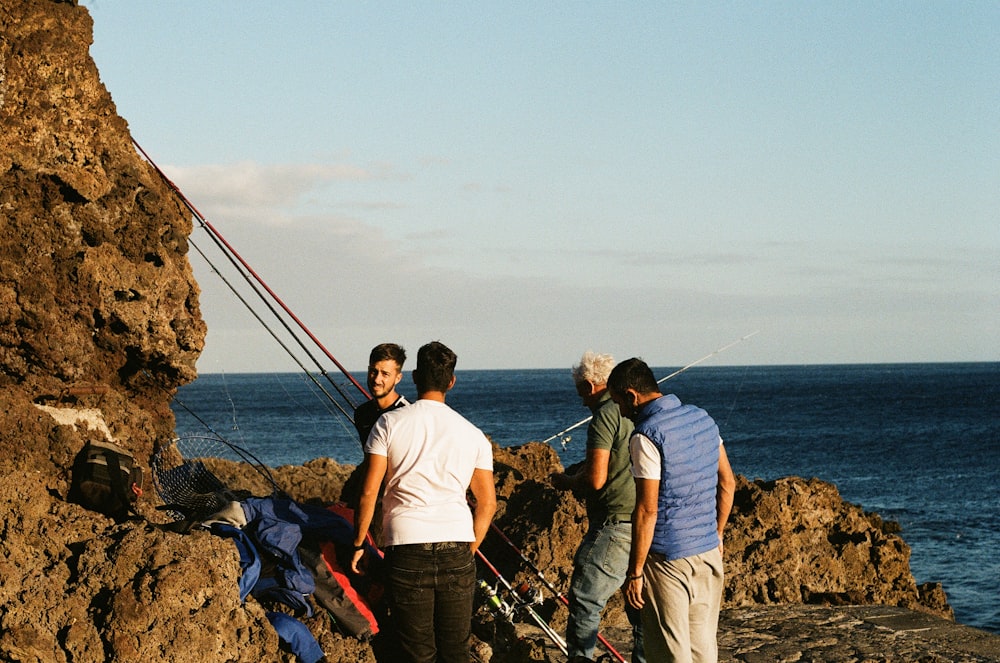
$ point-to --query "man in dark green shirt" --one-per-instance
(604, 480)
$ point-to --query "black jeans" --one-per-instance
(431, 592)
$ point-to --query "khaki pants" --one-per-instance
(680, 618)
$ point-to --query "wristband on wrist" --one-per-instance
(359, 547)
(638, 577)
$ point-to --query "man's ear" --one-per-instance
(633, 398)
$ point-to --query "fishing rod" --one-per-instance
(238, 261)
(545, 581)
(552, 588)
(524, 604)
(661, 380)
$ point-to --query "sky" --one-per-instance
(524, 181)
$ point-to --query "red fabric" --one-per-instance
(360, 602)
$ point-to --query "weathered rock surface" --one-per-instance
(851, 633)
(824, 634)
(99, 324)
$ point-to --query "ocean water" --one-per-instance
(916, 443)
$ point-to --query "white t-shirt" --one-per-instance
(431, 452)
(646, 457)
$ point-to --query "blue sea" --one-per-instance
(916, 443)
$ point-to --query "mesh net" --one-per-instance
(183, 478)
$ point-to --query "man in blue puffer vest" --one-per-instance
(684, 493)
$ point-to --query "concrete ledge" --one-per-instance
(821, 634)
(817, 634)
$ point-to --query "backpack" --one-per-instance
(106, 479)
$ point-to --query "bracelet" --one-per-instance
(638, 577)
(361, 547)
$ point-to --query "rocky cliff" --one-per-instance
(99, 324)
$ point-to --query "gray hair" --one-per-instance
(594, 368)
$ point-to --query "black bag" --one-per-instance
(106, 479)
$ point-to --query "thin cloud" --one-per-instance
(644, 259)
(371, 205)
(270, 185)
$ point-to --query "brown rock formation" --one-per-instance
(99, 324)
(797, 541)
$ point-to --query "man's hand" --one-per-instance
(356, 565)
(633, 592)
(561, 481)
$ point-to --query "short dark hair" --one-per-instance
(384, 351)
(633, 374)
(435, 367)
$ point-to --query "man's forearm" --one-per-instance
(484, 505)
(643, 524)
(723, 507)
(725, 492)
(363, 517)
(642, 537)
(371, 487)
(482, 516)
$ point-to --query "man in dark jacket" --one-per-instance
(385, 370)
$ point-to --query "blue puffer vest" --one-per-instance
(688, 440)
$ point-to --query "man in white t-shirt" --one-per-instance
(429, 456)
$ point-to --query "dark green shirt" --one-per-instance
(366, 414)
(609, 430)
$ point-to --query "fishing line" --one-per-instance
(245, 454)
(273, 311)
(232, 409)
(661, 380)
(348, 430)
(292, 397)
(233, 256)
(275, 336)
(732, 407)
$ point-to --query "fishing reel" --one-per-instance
(494, 603)
(565, 440)
(528, 595)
